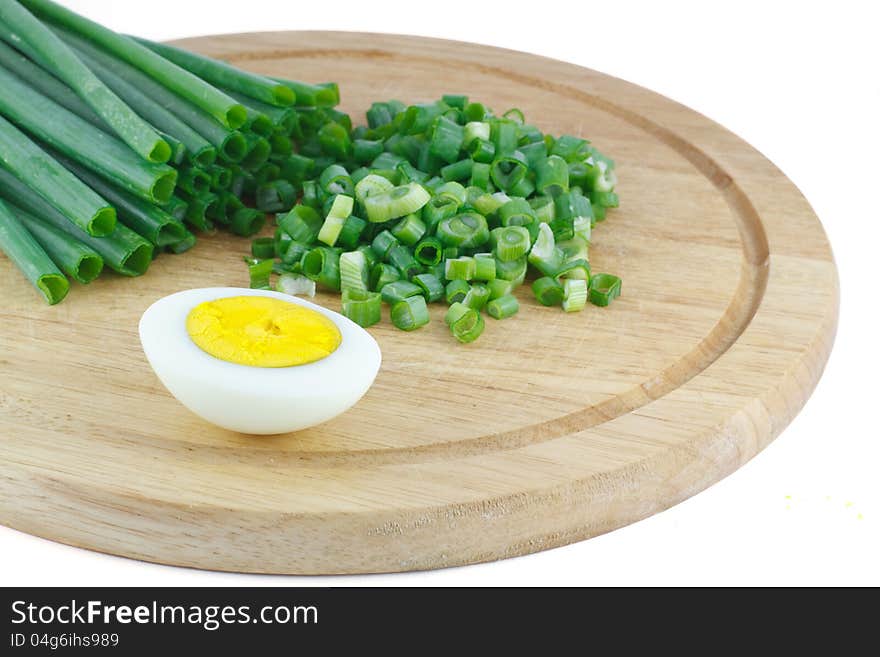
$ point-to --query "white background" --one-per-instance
(801, 82)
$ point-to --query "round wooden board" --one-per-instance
(550, 429)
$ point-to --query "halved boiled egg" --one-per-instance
(256, 361)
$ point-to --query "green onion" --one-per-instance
(313, 95)
(365, 151)
(503, 307)
(432, 287)
(604, 288)
(456, 290)
(410, 313)
(339, 212)
(484, 267)
(544, 208)
(399, 290)
(466, 324)
(222, 74)
(574, 296)
(43, 46)
(124, 251)
(80, 262)
(295, 284)
(516, 212)
(476, 297)
(260, 272)
(548, 291)
(83, 142)
(184, 245)
(362, 307)
(122, 78)
(293, 252)
(200, 93)
(513, 243)
(409, 230)
(142, 217)
(353, 272)
(25, 252)
(321, 264)
(460, 269)
(401, 257)
(397, 202)
(601, 177)
(578, 268)
(64, 191)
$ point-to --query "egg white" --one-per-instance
(255, 400)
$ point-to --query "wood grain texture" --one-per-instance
(552, 428)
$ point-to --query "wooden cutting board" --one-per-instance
(550, 429)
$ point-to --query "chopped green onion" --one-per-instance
(513, 243)
(482, 151)
(504, 136)
(339, 212)
(571, 149)
(295, 284)
(604, 288)
(460, 269)
(275, 196)
(545, 256)
(503, 307)
(398, 290)
(351, 232)
(475, 130)
(574, 296)
(469, 230)
(263, 247)
(396, 202)
(409, 230)
(365, 151)
(321, 264)
(447, 139)
(480, 174)
(410, 313)
(456, 291)
(460, 170)
(247, 222)
(362, 307)
(512, 270)
(429, 251)
(516, 212)
(382, 274)
(476, 297)
(302, 223)
(484, 267)
(432, 287)
(466, 324)
(353, 271)
(402, 257)
(499, 287)
(259, 271)
(578, 268)
(548, 291)
(551, 176)
(382, 244)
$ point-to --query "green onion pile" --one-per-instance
(114, 149)
(441, 202)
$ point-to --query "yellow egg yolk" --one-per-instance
(262, 332)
